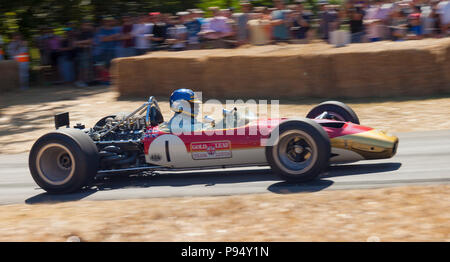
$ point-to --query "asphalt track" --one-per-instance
(423, 158)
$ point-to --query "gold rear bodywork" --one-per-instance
(371, 144)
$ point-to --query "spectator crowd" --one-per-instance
(83, 53)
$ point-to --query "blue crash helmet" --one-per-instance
(184, 101)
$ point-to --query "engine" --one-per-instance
(131, 129)
(121, 147)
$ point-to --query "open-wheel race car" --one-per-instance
(297, 149)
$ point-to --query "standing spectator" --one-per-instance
(301, 23)
(2, 53)
(443, 9)
(374, 21)
(42, 45)
(84, 43)
(415, 31)
(436, 18)
(399, 24)
(280, 23)
(328, 18)
(215, 30)
(241, 20)
(427, 19)
(66, 57)
(356, 17)
(193, 26)
(177, 34)
(54, 45)
(126, 47)
(18, 50)
(159, 31)
(108, 36)
(260, 27)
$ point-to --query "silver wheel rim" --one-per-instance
(55, 164)
(296, 152)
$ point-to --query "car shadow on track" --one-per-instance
(332, 171)
(212, 178)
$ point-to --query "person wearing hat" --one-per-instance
(415, 31)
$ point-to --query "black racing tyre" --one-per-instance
(301, 152)
(64, 161)
(338, 109)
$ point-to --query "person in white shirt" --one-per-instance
(142, 34)
(443, 9)
(177, 34)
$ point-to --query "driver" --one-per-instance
(185, 105)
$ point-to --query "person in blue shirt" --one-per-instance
(415, 31)
(193, 26)
(279, 22)
(109, 40)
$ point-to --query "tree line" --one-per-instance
(28, 16)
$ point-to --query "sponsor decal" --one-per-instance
(155, 157)
(211, 150)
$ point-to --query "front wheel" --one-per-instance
(337, 110)
(301, 152)
(63, 161)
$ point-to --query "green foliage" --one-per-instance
(28, 16)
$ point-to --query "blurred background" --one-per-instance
(73, 42)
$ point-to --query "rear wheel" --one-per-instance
(338, 111)
(302, 151)
(63, 161)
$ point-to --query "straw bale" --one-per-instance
(9, 76)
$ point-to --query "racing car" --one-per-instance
(297, 149)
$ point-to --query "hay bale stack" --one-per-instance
(155, 76)
(383, 69)
(446, 70)
(9, 76)
(387, 72)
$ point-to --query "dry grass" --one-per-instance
(419, 213)
(26, 115)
